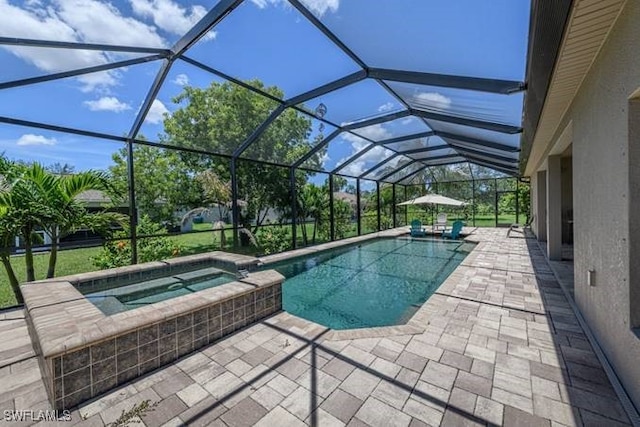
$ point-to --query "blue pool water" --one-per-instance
(380, 283)
(127, 296)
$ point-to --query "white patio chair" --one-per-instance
(441, 222)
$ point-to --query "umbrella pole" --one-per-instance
(432, 208)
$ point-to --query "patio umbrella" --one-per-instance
(433, 199)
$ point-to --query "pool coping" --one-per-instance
(421, 318)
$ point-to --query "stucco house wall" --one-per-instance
(601, 171)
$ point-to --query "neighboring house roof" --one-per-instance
(352, 199)
(348, 197)
(97, 198)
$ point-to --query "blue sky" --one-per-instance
(264, 39)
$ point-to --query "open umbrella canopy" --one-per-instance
(433, 199)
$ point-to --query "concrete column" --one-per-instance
(554, 208)
(541, 205)
(633, 207)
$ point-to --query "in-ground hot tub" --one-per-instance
(95, 331)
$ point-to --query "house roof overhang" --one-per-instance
(565, 38)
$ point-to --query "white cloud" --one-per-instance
(325, 158)
(317, 7)
(357, 143)
(90, 21)
(385, 107)
(100, 22)
(367, 161)
(320, 7)
(107, 103)
(181, 80)
(408, 120)
(31, 139)
(170, 16)
(371, 157)
(375, 132)
(33, 4)
(156, 112)
(354, 168)
(432, 100)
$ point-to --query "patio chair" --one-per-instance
(521, 227)
(441, 222)
(417, 230)
(456, 228)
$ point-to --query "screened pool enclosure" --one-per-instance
(300, 121)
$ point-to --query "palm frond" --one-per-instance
(73, 185)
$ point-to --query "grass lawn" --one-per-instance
(69, 262)
(480, 220)
(75, 261)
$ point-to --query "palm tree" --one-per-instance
(8, 231)
(36, 198)
(312, 201)
(19, 214)
(63, 213)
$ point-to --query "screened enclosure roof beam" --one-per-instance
(491, 164)
(382, 178)
(377, 120)
(375, 144)
(229, 78)
(14, 41)
(56, 128)
(378, 165)
(354, 157)
(442, 157)
(442, 80)
(328, 33)
(215, 15)
(496, 127)
(457, 162)
(317, 148)
(259, 131)
(412, 174)
(393, 93)
(494, 167)
(109, 137)
(151, 96)
(79, 72)
(505, 164)
(329, 87)
(483, 154)
(400, 99)
(406, 105)
(476, 141)
(407, 137)
(422, 150)
(206, 153)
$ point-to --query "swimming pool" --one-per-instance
(380, 283)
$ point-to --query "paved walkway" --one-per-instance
(499, 344)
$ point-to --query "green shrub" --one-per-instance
(273, 239)
(117, 252)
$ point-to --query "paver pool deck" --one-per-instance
(497, 344)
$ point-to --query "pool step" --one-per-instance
(136, 287)
(198, 275)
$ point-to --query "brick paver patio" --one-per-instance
(497, 344)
